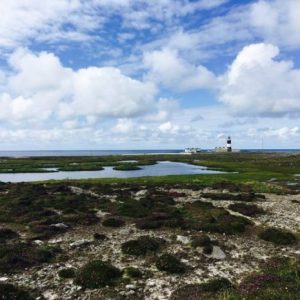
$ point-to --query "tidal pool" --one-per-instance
(162, 168)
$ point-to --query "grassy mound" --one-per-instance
(141, 246)
(97, 274)
(278, 236)
(170, 264)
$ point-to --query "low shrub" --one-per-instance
(249, 210)
(11, 292)
(278, 236)
(141, 246)
(67, 273)
(133, 272)
(113, 222)
(97, 274)
(7, 234)
(20, 256)
(203, 291)
(132, 208)
(170, 264)
(100, 237)
(208, 249)
(202, 240)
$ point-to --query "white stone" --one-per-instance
(81, 243)
(2, 279)
(130, 287)
(183, 239)
(50, 295)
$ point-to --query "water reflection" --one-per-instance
(160, 169)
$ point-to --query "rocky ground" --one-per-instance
(233, 256)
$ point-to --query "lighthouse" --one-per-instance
(229, 149)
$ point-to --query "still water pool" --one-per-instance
(162, 168)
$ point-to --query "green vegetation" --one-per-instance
(142, 246)
(132, 272)
(113, 222)
(255, 169)
(97, 274)
(204, 216)
(11, 292)
(7, 234)
(15, 257)
(249, 210)
(170, 264)
(209, 290)
(201, 240)
(278, 236)
(127, 167)
(100, 237)
(278, 280)
(67, 273)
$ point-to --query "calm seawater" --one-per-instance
(160, 169)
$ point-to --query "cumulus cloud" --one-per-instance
(277, 21)
(40, 86)
(258, 84)
(169, 69)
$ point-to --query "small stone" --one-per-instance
(38, 242)
(3, 279)
(81, 243)
(50, 295)
(59, 225)
(130, 287)
(183, 239)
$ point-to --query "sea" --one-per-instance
(45, 153)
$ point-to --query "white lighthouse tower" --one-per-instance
(228, 147)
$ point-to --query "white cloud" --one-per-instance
(107, 92)
(283, 132)
(277, 21)
(169, 69)
(40, 86)
(257, 84)
(52, 20)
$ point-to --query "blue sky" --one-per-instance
(132, 74)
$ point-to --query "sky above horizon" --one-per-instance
(137, 74)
